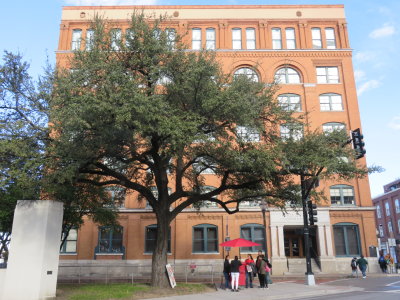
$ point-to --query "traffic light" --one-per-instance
(312, 212)
(358, 143)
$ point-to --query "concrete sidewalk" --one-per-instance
(279, 290)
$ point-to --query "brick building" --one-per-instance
(388, 219)
(307, 48)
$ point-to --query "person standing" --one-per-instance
(353, 265)
(227, 272)
(382, 263)
(362, 265)
(235, 264)
(262, 273)
(250, 266)
(268, 271)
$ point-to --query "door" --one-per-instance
(293, 246)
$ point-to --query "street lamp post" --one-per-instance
(263, 206)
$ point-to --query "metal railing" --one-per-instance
(107, 273)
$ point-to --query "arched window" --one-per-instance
(347, 239)
(248, 72)
(151, 238)
(110, 240)
(205, 238)
(290, 102)
(287, 75)
(254, 233)
(330, 102)
(333, 126)
(342, 195)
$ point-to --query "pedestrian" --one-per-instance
(235, 265)
(262, 272)
(227, 272)
(382, 263)
(362, 265)
(268, 279)
(389, 262)
(353, 265)
(250, 267)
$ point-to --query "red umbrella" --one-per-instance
(239, 243)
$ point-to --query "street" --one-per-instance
(387, 288)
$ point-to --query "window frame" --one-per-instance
(291, 131)
(328, 40)
(64, 247)
(247, 134)
(397, 206)
(204, 242)
(116, 39)
(381, 231)
(89, 39)
(336, 126)
(378, 211)
(288, 104)
(341, 188)
(253, 227)
(76, 39)
(293, 40)
(390, 226)
(287, 73)
(110, 240)
(237, 41)
(330, 105)
(250, 73)
(344, 227)
(212, 42)
(146, 240)
(196, 41)
(316, 38)
(387, 209)
(326, 77)
(251, 42)
(276, 38)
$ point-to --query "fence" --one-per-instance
(206, 273)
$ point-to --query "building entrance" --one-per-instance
(294, 242)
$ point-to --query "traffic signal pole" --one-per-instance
(310, 280)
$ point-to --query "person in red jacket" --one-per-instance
(250, 269)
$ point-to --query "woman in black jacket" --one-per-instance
(235, 264)
(227, 272)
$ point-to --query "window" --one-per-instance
(196, 38)
(342, 195)
(89, 39)
(290, 102)
(276, 38)
(69, 245)
(397, 206)
(236, 38)
(116, 196)
(287, 75)
(250, 203)
(154, 191)
(254, 233)
(247, 134)
(250, 38)
(129, 37)
(115, 39)
(390, 227)
(171, 37)
(76, 39)
(290, 38)
(381, 233)
(378, 211)
(249, 73)
(291, 131)
(110, 240)
(204, 165)
(327, 75)
(330, 38)
(330, 102)
(206, 203)
(205, 238)
(316, 38)
(210, 39)
(151, 238)
(398, 225)
(347, 239)
(387, 208)
(331, 127)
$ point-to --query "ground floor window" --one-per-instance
(69, 245)
(110, 239)
(151, 239)
(254, 233)
(205, 238)
(347, 239)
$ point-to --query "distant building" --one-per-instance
(388, 219)
(305, 46)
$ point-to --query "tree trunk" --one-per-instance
(159, 276)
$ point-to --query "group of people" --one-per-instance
(361, 263)
(386, 262)
(261, 268)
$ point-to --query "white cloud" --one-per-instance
(109, 2)
(359, 75)
(364, 56)
(384, 31)
(395, 123)
(370, 84)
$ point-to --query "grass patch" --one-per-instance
(126, 291)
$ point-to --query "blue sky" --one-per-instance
(32, 28)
